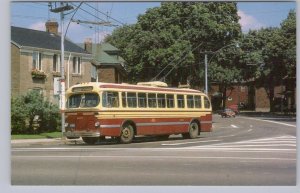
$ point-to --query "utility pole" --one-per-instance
(207, 63)
(62, 67)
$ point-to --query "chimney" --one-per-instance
(88, 45)
(52, 27)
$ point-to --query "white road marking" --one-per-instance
(258, 145)
(273, 144)
(188, 142)
(157, 157)
(272, 139)
(276, 122)
(234, 126)
(236, 149)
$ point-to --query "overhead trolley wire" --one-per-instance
(105, 14)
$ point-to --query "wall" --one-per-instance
(107, 75)
(262, 103)
(22, 80)
(15, 70)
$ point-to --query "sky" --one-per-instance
(33, 15)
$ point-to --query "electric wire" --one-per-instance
(105, 14)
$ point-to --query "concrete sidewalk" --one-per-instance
(55, 141)
(22, 141)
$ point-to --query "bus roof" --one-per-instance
(125, 86)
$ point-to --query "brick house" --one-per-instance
(107, 60)
(256, 97)
(237, 94)
(35, 61)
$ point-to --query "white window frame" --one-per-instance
(76, 65)
(37, 63)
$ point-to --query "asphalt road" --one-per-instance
(240, 151)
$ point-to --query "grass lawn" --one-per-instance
(37, 136)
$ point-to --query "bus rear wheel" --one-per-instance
(127, 134)
(193, 131)
(90, 140)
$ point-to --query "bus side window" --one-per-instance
(131, 99)
(161, 100)
(124, 104)
(170, 101)
(197, 102)
(110, 99)
(180, 101)
(152, 100)
(142, 100)
(190, 101)
(206, 103)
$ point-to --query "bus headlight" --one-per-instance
(72, 125)
(97, 124)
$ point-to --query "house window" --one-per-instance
(37, 60)
(94, 73)
(243, 88)
(56, 63)
(76, 65)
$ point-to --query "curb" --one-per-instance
(22, 141)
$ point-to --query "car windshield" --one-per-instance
(83, 100)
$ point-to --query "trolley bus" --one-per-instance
(95, 110)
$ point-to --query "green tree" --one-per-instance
(167, 41)
(271, 53)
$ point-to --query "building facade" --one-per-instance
(251, 97)
(35, 62)
(109, 65)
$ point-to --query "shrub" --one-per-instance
(19, 116)
(31, 113)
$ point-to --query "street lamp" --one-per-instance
(206, 63)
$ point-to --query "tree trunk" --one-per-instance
(224, 96)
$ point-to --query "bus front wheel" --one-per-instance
(193, 131)
(127, 134)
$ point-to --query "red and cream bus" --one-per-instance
(122, 111)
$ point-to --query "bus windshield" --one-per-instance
(83, 100)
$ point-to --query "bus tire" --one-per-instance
(127, 134)
(90, 140)
(193, 131)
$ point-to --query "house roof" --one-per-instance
(103, 56)
(107, 47)
(42, 39)
(106, 53)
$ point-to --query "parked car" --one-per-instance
(227, 113)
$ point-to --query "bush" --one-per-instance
(31, 113)
(18, 116)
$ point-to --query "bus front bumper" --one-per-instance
(77, 134)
